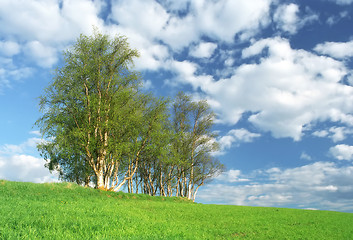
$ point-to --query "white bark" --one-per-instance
(100, 179)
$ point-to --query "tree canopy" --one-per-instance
(101, 127)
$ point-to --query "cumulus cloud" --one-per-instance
(220, 20)
(237, 136)
(18, 163)
(339, 50)
(142, 31)
(288, 20)
(320, 133)
(342, 152)
(48, 21)
(44, 56)
(185, 73)
(286, 17)
(339, 133)
(28, 146)
(157, 32)
(9, 48)
(335, 133)
(321, 185)
(224, 19)
(231, 176)
(284, 89)
(152, 17)
(45, 28)
(38, 31)
(24, 168)
(203, 50)
(160, 31)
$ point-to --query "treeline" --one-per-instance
(101, 128)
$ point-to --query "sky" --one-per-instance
(277, 73)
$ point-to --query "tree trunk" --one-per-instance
(136, 184)
(190, 182)
(87, 180)
(177, 186)
(193, 199)
(100, 179)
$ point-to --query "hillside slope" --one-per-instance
(69, 211)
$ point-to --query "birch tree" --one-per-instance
(194, 145)
(93, 110)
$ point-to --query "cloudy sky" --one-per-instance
(278, 73)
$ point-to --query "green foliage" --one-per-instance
(193, 145)
(100, 127)
(94, 116)
(68, 211)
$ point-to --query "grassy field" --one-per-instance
(67, 211)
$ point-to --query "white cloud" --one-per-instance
(237, 136)
(146, 17)
(147, 84)
(305, 156)
(180, 32)
(321, 133)
(28, 146)
(10, 73)
(321, 185)
(44, 21)
(288, 20)
(203, 50)
(180, 5)
(155, 32)
(285, 91)
(224, 19)
(335, 19)
(286, 17)
(31, 19)
(36, 132)
(44, 56)
(335, 133)
(9, 48)
(186, 73)
(231, 176)
(39, 30)
(342, 2)
(17, 163)
(25, 168)
(229, 62)
(80, 16)
(143, 32)
(45, 27)
(220, 20)
(342, 152)
(339, 50)
(339, 133)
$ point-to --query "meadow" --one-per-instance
(68, 211)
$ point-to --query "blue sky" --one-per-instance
(279, 75)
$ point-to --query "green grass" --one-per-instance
(67, 211)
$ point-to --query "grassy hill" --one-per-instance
(68, 211)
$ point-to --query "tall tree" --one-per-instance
(194, 144)
(93, 111)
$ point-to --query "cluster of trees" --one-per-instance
(101, 128)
